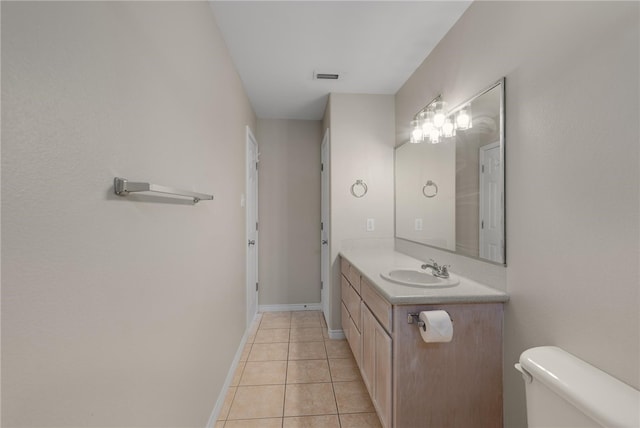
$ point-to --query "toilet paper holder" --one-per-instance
(415, 319)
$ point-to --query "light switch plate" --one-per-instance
(418, 224)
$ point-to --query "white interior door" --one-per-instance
(252, 226)
(324, 225)
(491, 240)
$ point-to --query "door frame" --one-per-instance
(251, 226)
(325, 249)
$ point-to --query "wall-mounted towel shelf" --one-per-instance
(122, 187)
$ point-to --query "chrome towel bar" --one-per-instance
(122, 187)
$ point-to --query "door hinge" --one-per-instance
(482, 224)
(321, 226)
(483, 168)
(256, 226)
(256, 286)
(321, 285)
(321, 167)
(256, 165)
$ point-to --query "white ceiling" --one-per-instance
(374, 45)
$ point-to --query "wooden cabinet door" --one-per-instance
(376, 364)
(368, 348)
(382, 376)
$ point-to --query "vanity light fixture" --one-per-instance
(434, 122)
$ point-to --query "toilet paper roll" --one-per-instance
(437, 326)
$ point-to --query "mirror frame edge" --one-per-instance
(503, 172)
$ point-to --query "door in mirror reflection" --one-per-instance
(490, 203)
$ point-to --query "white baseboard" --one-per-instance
(227, 382)
(336, 334)
(294, 307)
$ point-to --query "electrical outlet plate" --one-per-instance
(370, 225)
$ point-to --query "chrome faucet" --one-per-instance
(436, 269)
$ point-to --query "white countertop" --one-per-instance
(373, 261)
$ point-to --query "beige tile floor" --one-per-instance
(291, 375)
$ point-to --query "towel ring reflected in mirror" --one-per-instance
(430, 193)
(359, 189)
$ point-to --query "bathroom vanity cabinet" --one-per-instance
(369, 340)
(418, 384)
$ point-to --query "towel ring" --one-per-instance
(431, 194)
(359, 184)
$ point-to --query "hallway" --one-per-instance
(292, 375)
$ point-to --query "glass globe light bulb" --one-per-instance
(434, 136)
(416, 132)
(427, 126)
(448, 129)
(438, 119)
(439, 116)
(463, 119)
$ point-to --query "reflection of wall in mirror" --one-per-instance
(420, 163)
(485, 131)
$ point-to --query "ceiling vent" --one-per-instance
(326, 76)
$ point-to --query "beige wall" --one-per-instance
(119, 311)
(572, 171)
(415, 165)
(289, 207)
(362, 139)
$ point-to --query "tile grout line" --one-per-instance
(286, 374)
(333, 389)
(244, 364)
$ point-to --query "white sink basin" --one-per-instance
(416, 278)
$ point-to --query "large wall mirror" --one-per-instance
(450, 195)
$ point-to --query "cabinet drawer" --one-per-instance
(354, 278)
(378, 305)
(344, 267)
(351, 333)
(344, 291)
(345, 320)
(355, 342)
(351, 300)
(352, 274)
(354, 308)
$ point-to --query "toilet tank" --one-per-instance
(564, 391)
